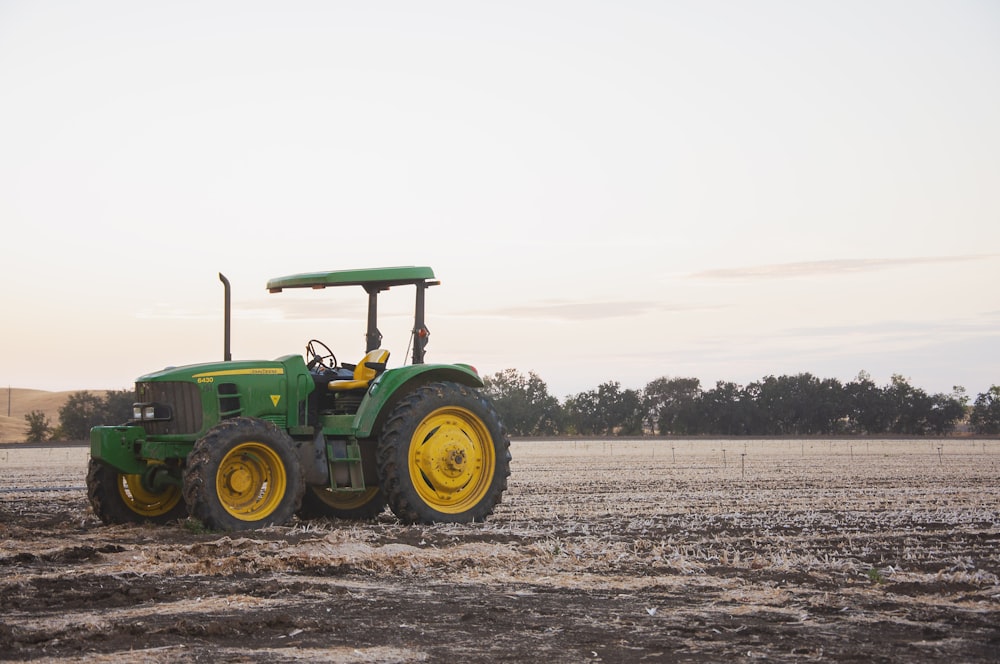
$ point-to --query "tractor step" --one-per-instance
(346, 472)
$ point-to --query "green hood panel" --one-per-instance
(214, 371)
(267, 389)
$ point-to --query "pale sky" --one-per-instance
(607, 190)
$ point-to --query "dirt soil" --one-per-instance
(666, 551)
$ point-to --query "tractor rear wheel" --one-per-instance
(319, 502)
(120, 498)
(443, 456)
(243, 474)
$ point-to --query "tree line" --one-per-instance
(82, 411)
(799, 405)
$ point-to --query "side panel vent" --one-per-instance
(279, 421)
(230, 404)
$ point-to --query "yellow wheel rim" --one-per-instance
(346, 500)
(451, 460)
(251, 481)
(144, 502)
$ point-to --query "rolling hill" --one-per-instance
(19, 402)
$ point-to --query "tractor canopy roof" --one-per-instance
(373, 279)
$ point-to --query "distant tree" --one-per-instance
(795, 405)
(38, 426)
(985, 417)
(523, 403)
(724, 412)
(606, 411)
(81, 411)
(775, 402)
(581, 414)
(671, 405)
(946, 410)
(117, 407)
(867, 409)
(84, 410)
(618, 411)
(774, 405)
(630, 413)
(834, 409)
(910, 408)
(755, 414)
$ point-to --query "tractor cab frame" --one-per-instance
(374, 281)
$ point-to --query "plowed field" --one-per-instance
(603, 551)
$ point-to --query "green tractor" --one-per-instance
(245, 444)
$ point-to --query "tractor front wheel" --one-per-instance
(243, 474)
(119, 498)
(443, 456)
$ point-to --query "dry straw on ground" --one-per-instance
(613, 551)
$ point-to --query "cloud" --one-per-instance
(934, 355)
(166, 312)
(260, 310)
(831, 267)
(316, 308)
(577, 311)
(930, 331)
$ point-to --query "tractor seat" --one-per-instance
(366, 370)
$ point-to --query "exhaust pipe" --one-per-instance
(227, 356)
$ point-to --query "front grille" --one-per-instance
(183, 398)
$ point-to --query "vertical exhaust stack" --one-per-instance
(226, 354)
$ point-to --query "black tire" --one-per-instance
(320, 502)
(243, 474)
(443, 456)
(119, 498)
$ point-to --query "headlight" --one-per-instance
(151, 412)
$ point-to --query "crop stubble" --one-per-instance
(614, 551)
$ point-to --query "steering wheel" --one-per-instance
(316, 358)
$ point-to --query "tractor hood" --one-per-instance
(186, 400)
(211, 372)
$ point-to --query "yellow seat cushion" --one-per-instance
(363, 374)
